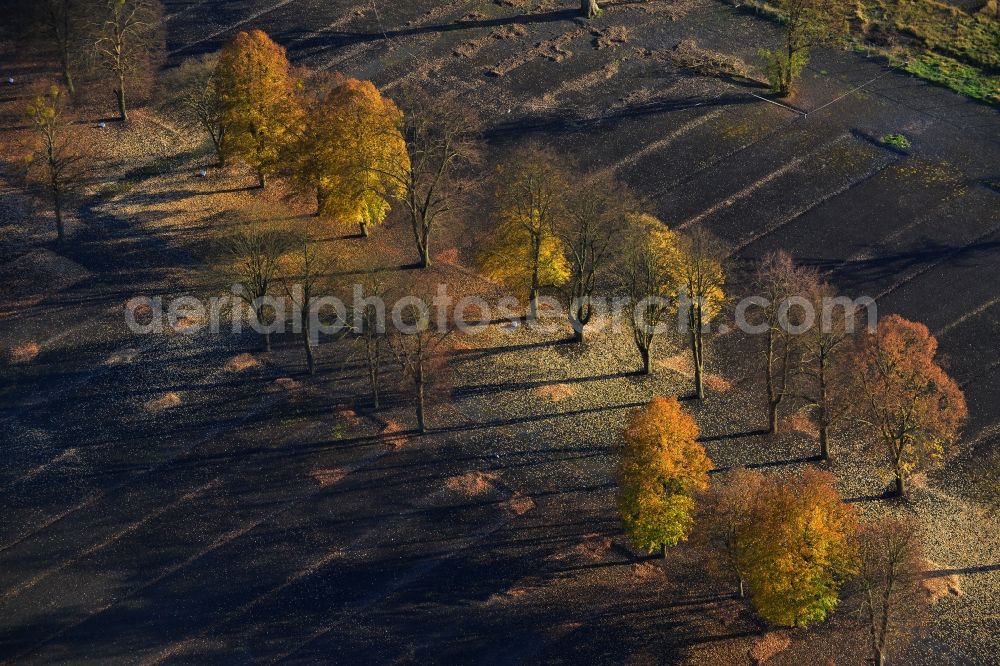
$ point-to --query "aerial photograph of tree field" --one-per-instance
(500, 332)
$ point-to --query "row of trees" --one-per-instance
(886, 381)
(336, 139)
(587, 235)
(789, 542)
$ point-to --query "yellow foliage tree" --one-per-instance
(352, 154)
(797, 548)
(525, 252)
(661, 469)
(260, 107)
(697, 273)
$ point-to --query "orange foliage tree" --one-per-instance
(261, 110)
(661, 469)
(352, 154)
(793, 544)
(913, 409)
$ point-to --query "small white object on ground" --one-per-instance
(10, 80)
(102, 124)
(202, 173)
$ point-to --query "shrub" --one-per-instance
(896, 141)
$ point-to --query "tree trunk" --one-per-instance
(772, 416)
(646, 360)
(266, 335)
(589, 8)
(363, 229)
(533, 304)
(120, 95)
(879, 658)
(900, 485)
(261, 179)
(425, 256)
(743, 592)
(320, 201)
(824, 442)
(421, 423)
(68, 76)
(310, 361)
(697, 357)
(663, 548)
(57, 206)
(577, 329)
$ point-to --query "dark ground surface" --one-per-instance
(198, 535)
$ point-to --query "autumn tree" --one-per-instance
(130, 45)
(908, 403)
(826, 375)
(591, 231)
(440, 134)
(190, 94)
(419, 349)
(525, 252)
(251, 257)
(888, 588)
(648, 281)
(352, 154)
(805, 24)
(57, 160)
(662, 467)
(260, 109)
(725, 525)
(799, 549)
(696, 270)
(779, 281)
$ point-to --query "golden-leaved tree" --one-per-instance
(912, 408)
(525, 252)
(352, 154)
(258, 93)
(648, 280)
(661, 469)
(797, 547)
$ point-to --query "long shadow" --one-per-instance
(342, 39)
(963, 571)
(561, 121)
(486, 389)
(734, 435)
(771, 463)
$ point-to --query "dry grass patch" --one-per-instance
(717, 383)
(164, 402)
(801, 422)
(554, 392)
(615, 35)
(241, 363)
(393, 435)
(328, 477)
(520, 504)
(679, 363)
(288, 384)
(122, 356)
(938, 587)
(649, 572)
(23, 353)
(593, 548)
(471, 484)
(689, 55)
(349, 416)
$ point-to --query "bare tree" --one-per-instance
(130, 43)
(370, 330)
(58, 159)
(440, 135)
(66, 24)
(825, 365)
(307, 269)
(888, 582)
(779, 281)
(190, 94)
(591, 231)
(697, 273)
(252, 258)
(418, 349)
